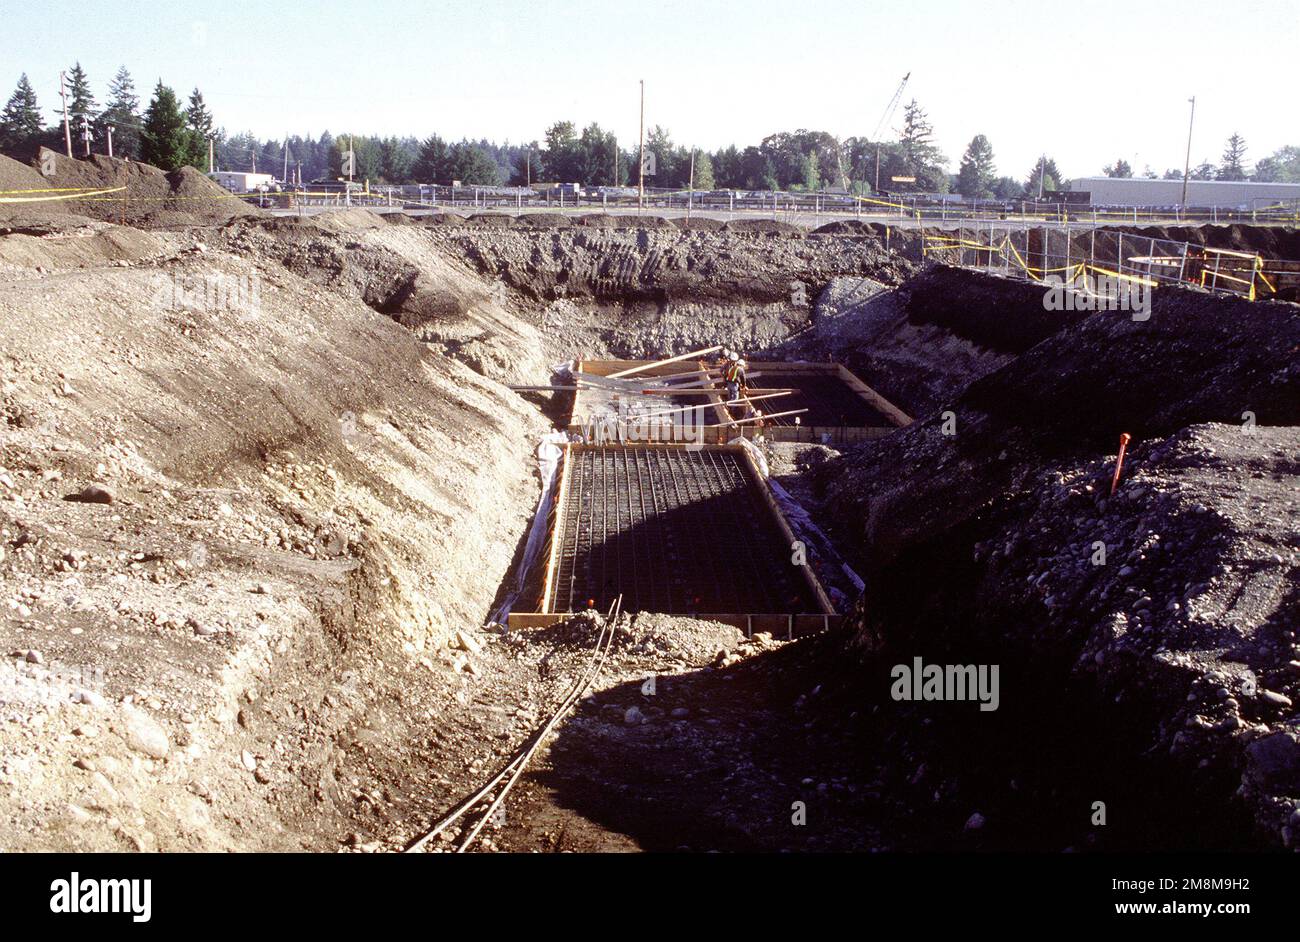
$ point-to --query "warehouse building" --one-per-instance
(1221, 194)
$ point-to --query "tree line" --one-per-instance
(171, 134)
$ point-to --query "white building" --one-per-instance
(1137, 191)
(243, 182)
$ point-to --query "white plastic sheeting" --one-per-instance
(549, 452)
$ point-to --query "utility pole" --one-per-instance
(690, 187)
(67, 130)
(640, 186)
(85, 134)
(1187, 162)
(1042, 174)
(284, 177)
(211, 162)
(109, 129)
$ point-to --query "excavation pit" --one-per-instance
(674, 529)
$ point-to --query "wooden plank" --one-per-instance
(676, 359)
(809, 576)
(557, 531)
(761, 418)
(706, 392)
(881, 404)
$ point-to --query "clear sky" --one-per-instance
(1088, 81)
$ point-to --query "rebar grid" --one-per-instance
(674, 531)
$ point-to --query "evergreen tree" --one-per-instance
(1120, 168)
(527, 166)
(431, 164)
(1234, 159)
(473, 166)
(165, 141)
(1044, 172)
(201, 128)
(925, 161)
(122, 113)
(975, 175)
(81, 101)
(20, 122)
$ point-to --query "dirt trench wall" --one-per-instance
(635, 292)
(978, 543)
(307, 505)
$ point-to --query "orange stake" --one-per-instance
(1124, 439)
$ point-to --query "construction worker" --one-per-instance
(734, 376)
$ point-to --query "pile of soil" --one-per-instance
(597, 221)
(543, 221)
(699, 224)
(19, 176)
(492, 220)
(1269, 241)
(771, 227)
(153, 198)
(845, 227)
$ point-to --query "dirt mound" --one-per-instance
(144, 195)
(442, 219)
(630, 221)
(543, 221)
(699, 224)
(19, 176)
(1269, 241)
(597, 221)
(771, 227)
(845, 227)
(491, 220)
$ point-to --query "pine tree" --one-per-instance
(122, 113)
(20, 122)
(925, 161)
(1234, 159)
(81, 101)
(1045, 172)
(976, 173)
(1120, 168)
(431, 163)
(165, 141)
(201, 127)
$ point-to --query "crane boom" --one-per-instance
(890, 108)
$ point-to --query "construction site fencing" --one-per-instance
(1078, 257)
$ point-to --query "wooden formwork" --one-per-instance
(719, 428)
(778, 624)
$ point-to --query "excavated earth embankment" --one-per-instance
(1147, 641)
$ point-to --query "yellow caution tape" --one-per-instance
(66, 196)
